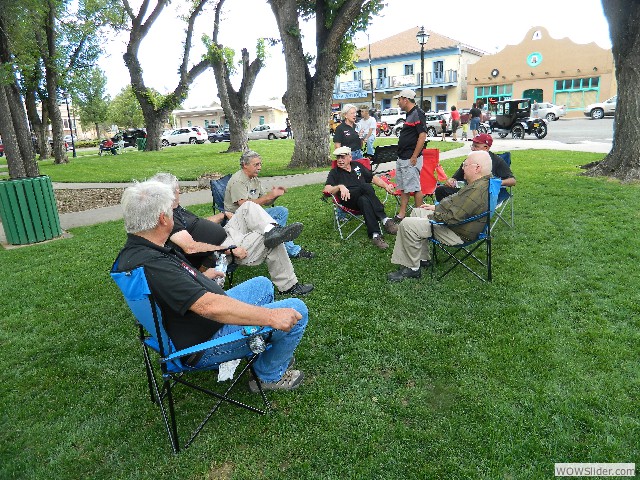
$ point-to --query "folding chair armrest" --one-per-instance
(467, 220)
(232, 337)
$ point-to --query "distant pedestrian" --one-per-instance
(474, 121)
(288, 128)
(455, 122)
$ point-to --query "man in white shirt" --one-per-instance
(367, 129)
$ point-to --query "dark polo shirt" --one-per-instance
(175, 285)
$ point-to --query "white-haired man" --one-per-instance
(194, 308)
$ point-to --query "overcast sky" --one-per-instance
(488, 25)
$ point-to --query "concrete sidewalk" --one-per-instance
(106, 214)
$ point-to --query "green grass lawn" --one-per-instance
(424, 380)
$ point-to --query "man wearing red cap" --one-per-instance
(498, 168)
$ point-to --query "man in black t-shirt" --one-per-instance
(351, 182)
(194, 308)
(410, 146)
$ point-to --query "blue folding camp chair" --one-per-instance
(505, 199)
(173, 369)
(464, 254)
(218, 187)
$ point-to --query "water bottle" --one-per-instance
(221, 266)
(257, 344)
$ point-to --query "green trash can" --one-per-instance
(28, 210)
(141, 143)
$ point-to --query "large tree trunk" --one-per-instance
(38, 125)
(308, 98)
(623, 161)
(234, 104)
(14, 128)
(155, 116)
(48, 53)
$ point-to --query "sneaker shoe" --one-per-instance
(379, 242)
(289, 381)
(304, 254)
(278, 234)
(298, 289)
(404, 272)
(425, 263)
(391, 227)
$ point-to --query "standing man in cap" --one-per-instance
(499, 168)
(351, 182)
(410, 145)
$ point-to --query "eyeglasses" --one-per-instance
(342, 155)
(465, 164)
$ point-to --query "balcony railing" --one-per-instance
(431, 79)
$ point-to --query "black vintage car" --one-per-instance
(514, 117)
(130, 136)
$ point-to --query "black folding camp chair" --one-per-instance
(173, 367)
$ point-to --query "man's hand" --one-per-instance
(389, 188)
(427, 207)
(239, 253)
(212, 273)
(278, 191)
(452, 182)
(413, 161)
(283, 318)
(344, 193)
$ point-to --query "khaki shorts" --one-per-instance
(408, 176)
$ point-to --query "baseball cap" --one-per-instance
(342, 151)
(406, 93)
(483, 138)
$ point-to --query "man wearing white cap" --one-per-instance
(351, 182)
(410, 145)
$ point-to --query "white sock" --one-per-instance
(385, 220)
(269, 227)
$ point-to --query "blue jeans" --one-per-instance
(356, 154)
(370, 144)
(280, 215)
(271, 364)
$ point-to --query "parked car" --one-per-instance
(221, 135)
(1, 148)
(130, 136)
(334, 121)
(549, 111)
(602, 109)
(190, 135)
(434, 127)
(393, 116)
(267, 131)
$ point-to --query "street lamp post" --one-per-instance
(422, 37)
(373, 93)
(73, 144)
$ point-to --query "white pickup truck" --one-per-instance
(393, 116)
